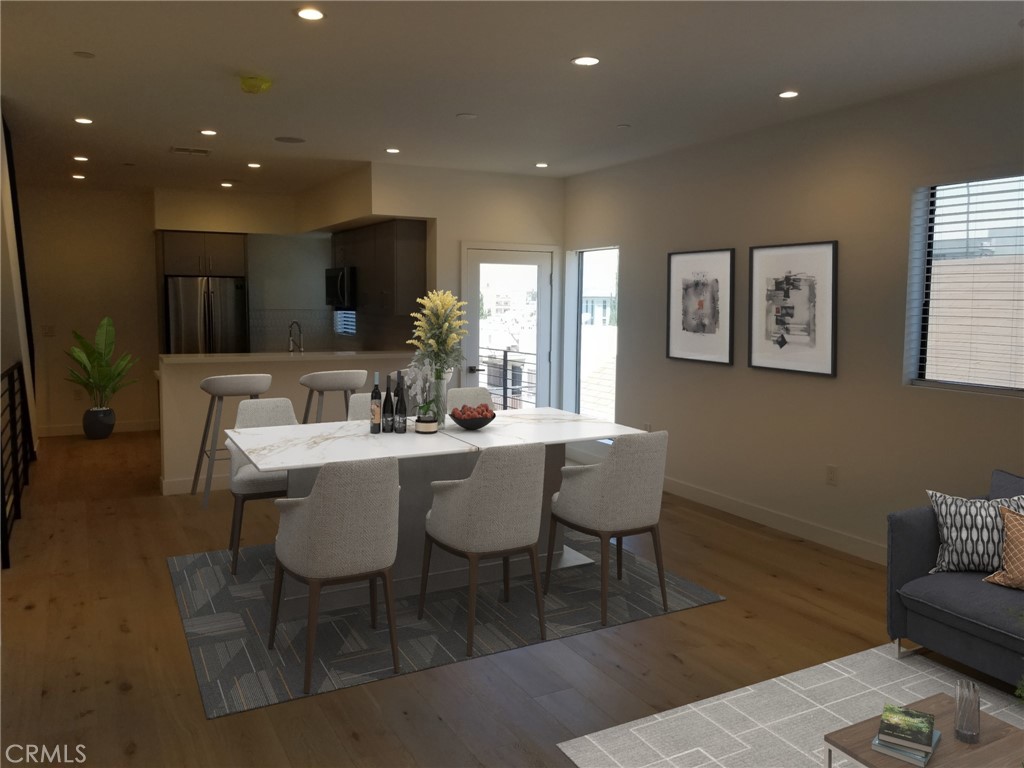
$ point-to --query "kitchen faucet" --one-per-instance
(291, 339)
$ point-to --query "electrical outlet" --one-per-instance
(76, 393)
(831, 474)
(647, 427)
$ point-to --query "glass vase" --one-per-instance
(968, 711)
(436, 405)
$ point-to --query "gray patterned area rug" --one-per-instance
(225, 619)
(782, 722)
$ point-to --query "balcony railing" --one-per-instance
(510, 376)
(16, 451)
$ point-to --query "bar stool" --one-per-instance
(330, 381)
(250, 385)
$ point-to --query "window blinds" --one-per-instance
(345, 323)
(966, 291)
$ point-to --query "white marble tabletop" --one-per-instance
(312, 445)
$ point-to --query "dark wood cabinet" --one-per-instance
(220, 254)
(391, 264)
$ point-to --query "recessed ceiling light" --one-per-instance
(81, 158)
(78, 176)
(542, 165)
(84, 54)
(208, 132)
(310, 14)
(227, 184)
(392, 150)
(466, 116)
(289, 140)
(585, 61)
(83, 120)
(254, 165)
(623, 125)
(788, 95)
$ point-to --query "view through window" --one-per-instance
(508, 333)
(599, 331)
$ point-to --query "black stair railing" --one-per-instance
(16, 452)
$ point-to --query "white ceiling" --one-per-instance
(378, 74)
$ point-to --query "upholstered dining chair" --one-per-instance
(495, 512)
(345, 530)
(247, 482)
(619, 497)
(359, 406)
(460, 396)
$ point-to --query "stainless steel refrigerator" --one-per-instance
(207, 314)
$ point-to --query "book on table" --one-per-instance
(914, 756)
(905, 727)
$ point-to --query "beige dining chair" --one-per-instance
(247, 482)
(345, 530)
(495, 512)
(619, 497)
(460, 396)
(359, 406)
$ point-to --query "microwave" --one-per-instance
(341, 287)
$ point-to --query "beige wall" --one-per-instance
(90, 254)
(468, 206)
(346, 198)
(756, 442)
(224, 211)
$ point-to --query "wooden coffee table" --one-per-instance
(1001, 745)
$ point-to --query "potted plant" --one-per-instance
(100, 377)
(437, 335)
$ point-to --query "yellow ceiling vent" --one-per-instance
(256, 84)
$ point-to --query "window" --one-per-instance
(965, 298)
(598, 332)
(345, 323)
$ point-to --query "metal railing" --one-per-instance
(510, 376)
(16, 451)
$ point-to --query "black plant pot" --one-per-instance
(98, 423)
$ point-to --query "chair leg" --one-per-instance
(275, 601)
(535, 569)
(551, 552)
(309, 402)
(373, 601)
(504, 575)
(212, 459)
(604, 578)
(474, 562)
(618, 557)
(656, 537)
(428, 543)
(320, 407)
(389, 607)
(314, 608)
(202, 447)
(236, 531)
(348, 394)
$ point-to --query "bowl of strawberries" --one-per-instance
(473, 416)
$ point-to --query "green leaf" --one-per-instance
(105, 338)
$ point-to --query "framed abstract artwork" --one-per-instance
(793, 307)
(700, 305)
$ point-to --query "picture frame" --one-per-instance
(699, 319)
(793, 303)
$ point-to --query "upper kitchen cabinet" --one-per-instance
(391, 264)
(219, 254)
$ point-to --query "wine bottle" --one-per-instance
(399, 406)
(375, 405)
(387, 418)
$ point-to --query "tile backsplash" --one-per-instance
(268, 331)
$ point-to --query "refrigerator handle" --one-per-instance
(207, 320)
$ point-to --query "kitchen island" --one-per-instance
(183, 405)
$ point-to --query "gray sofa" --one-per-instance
(955, 614)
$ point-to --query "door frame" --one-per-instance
(556, 323)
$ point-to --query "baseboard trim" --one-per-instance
(179, 485)
(819, 534)
(63, 430)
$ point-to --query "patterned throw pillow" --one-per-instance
(970, 532)
(1012, 574)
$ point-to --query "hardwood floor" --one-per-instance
(94, 654)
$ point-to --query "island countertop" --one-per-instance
(279, 357)
(183, 405)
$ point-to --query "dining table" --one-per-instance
(449, 454)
